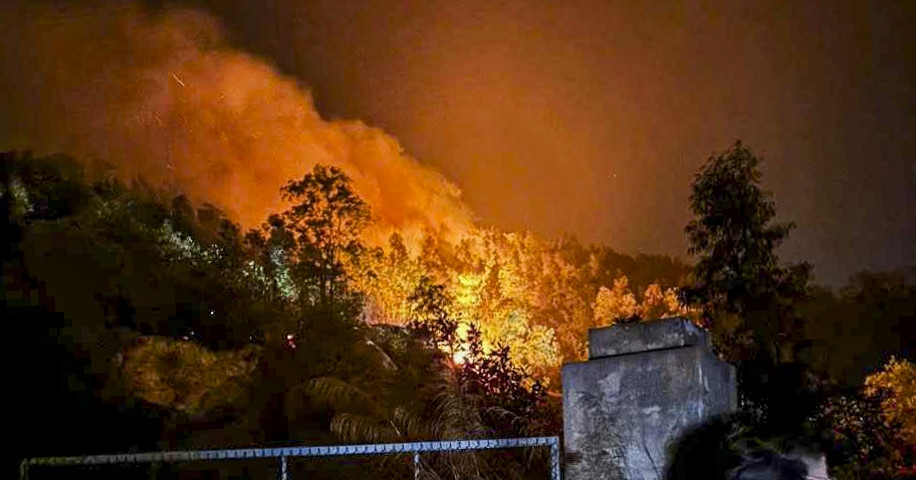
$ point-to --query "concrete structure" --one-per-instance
(644, 383)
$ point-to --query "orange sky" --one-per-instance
(590, 117)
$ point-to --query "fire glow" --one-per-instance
(162, 96)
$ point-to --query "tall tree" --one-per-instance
(735, 238)
(323, 226)
(746, 296)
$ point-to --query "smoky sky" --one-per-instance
(162, 95)
(591, 117)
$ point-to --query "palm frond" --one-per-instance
(354, 427)
(339, 394)
(455, 413)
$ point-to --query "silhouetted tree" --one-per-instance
(325, 222)
(746, 296)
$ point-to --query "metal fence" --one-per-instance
(282, 454)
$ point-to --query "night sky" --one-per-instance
(590, 117)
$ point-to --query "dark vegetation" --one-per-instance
(142, 322)
(801, 351)
(717, 449)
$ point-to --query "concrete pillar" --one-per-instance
(643, 385)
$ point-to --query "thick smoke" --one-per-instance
(162, 95)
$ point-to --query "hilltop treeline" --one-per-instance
(144, 322)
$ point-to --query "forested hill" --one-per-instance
(140, 321)
(144, 322)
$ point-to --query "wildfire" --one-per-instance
(179, 107)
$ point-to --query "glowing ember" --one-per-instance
(291, 341)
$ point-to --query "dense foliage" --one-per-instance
(747, 298)
(870, 431)
(799, 349)
(183, 332)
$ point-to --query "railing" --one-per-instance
(284, 453)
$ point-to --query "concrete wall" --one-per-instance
(644, 384)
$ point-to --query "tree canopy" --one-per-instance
(746, 296)
(734, 237)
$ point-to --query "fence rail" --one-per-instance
(283, 453)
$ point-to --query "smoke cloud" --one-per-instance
(162, 95)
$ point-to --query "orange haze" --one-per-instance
(164, 96)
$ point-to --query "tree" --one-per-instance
(657, 303)
(745, 295)
(616, 304)
(866, 439)
(432, 317)
(735, 239)
(387, 277)
(322, 228)
(619, 304)
(895, 385)
(852, 330)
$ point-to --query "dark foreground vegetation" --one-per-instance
(142, 323)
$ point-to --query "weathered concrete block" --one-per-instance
(644, 337)
(644, 385)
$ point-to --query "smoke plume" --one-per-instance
(162, 95)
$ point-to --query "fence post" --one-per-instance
(416, 465)
(282, 472)
(554, 461)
